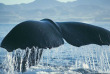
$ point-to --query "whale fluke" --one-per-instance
(41, 34)
(79, 34)
(48, 34)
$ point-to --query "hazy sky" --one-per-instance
(10, 2)
(66, 0)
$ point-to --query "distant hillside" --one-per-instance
(80, 10)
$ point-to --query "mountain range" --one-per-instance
(80, 10)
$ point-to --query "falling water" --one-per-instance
(64, 59)
(20, 60)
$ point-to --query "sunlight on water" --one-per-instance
(64, 59)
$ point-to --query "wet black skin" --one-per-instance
(48, 34)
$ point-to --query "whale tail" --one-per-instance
(48, 34)
(78, 34)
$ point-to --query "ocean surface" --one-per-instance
(66, 59)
